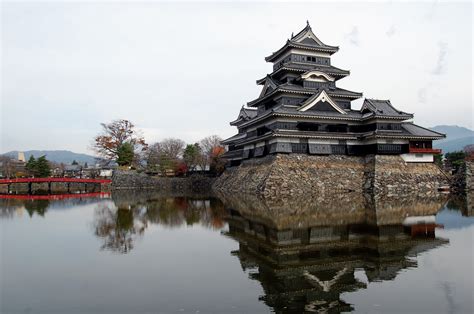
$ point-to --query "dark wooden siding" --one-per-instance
(315, 85)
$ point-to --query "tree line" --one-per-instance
(38, 168)
(122, 143)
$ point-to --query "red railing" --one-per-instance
(42, 180)
(416, 150)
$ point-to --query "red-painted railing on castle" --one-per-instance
(415, 150)
(42, 180)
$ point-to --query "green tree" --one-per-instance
(31, 166)
(42, 167)
(438, 159)
(74, 163)
(191, 155)
(455, 160)
(125, 154)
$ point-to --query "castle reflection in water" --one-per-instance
(307, 259)
(304, 254)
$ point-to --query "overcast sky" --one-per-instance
(185, 69)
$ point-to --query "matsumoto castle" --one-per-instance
(301, 110)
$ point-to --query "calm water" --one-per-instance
(146, 253)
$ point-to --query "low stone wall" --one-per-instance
(135, 180)
(280, 175)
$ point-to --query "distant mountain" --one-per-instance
(456, 137)
(58, 156)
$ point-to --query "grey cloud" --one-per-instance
(391, 31)
(440, 67)
(431, 10)
(353, 36)
(422, 95)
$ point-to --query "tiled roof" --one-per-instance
(239, 136)
(294, 110)
(291, 44)
(288, 87)
(302, 68)
(417, 130)
(330, 91)
(245, 114)
(305, 39)
(383, 108)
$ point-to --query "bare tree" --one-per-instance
(207, 144)
(164, 156)
(172, 148)
(152, 157)
(7, 166)
(212, 151)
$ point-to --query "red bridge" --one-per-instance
(42, 180)
(54, 197)
(68, 181)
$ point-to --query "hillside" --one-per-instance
(456, 137)
(58, 156)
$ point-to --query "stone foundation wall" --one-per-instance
(469, 175)
(293, 174)
(392, 175)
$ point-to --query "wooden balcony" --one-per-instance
(415, 150)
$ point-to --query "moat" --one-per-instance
(143, 252)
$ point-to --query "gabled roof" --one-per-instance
(245, 114)
(305, 39)
(322, 96)
(383, 108)
(269, 85)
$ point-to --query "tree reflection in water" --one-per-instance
(120, 224)
(119, 227)
(174, 212)
(36, 206)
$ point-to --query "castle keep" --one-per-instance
(302, 110)
(302, 137)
